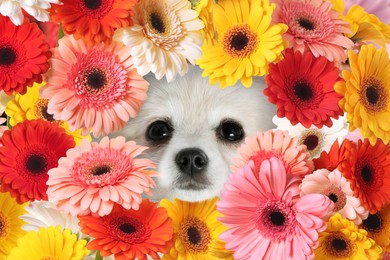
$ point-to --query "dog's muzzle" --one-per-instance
(191, 161)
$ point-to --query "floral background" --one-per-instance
(315, 187)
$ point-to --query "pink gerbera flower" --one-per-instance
(314, 26)
(279, 144)
(96, 176)
(93, 87)
(265, 216)
(337, 188)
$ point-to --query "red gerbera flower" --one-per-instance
(301, 86)
(93, 20)
(341, 157)
(29, 150)
(130, 234)
(370, 178)
(24, 55)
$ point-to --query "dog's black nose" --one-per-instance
(191, 161)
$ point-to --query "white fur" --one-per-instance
(196, 109)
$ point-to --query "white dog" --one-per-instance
(193, 131)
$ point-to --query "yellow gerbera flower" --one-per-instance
(205, 11)
(196, 229)
(378, 227)
(246, 42)
(49, 243)
(10, 223)
(343, 240)
(366, 93)
(30, 106)
(365, 27)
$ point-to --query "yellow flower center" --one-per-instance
(373, 95)
(4, 226)
(40, 110)
(195, 235)
(338, 246)
(313, 139)
(240, 41)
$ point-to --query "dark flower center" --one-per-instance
(93, 4)
(333, 197)
(239, 41)
(339, 244)
(7, 56)
(157, 22)
(101, 170)
(96, 79)
(127, 228)
(36, 164)
(303, 91)
(311, 142)
(372, 95)
(373, 223)
(367, 174)
(306, 24)
(194, 236)
(3, 226)
(277, 218)
(46, 115)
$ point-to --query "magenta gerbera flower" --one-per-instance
(265, 216)
(95, 87)
(93, 177)
(314, 26)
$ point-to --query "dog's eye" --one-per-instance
(159, 131)
(231, 131)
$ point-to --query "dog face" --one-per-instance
(193, 131)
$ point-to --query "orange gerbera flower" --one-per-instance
(93, 20)
(340, 157)
(130, 234)
(369, 177)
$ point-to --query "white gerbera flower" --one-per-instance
(316, 139)
(165, 35)
(44, 214)
(337, 188)
(36, 8)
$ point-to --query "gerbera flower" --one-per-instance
(129, 233)
(337, 188)
(369, 176)
(165, 35)
(94, 21)
(265, 145)
(247, 42)
(315, 139)
(301, 86)
(10, 224)
(341, 157)
(379, 8)
(265, 216)
(49, 243)
(378, 227)
(96, 176)
(44, 214)
(366, 93)
(93, 88)
(196, 230)
(23, 55)
(30, 106)
(29, 151)
(314, 26)
(343, 240)
(205, 9)
(37, 9)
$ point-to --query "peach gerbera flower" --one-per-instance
(279, 144)
(94, 88)
(314, 26)
(93, 177)
(165, 35)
